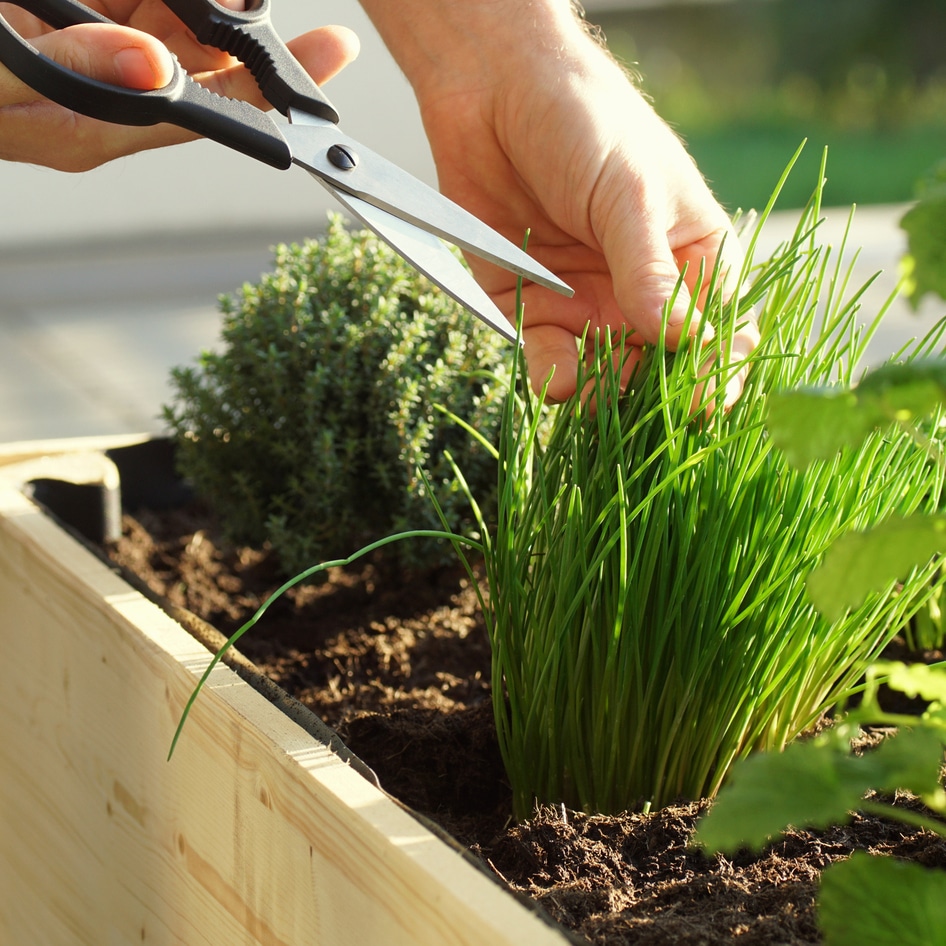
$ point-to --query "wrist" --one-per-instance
(449, 45)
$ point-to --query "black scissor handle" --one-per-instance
(249, 35)
(182, 102)
(61, 13)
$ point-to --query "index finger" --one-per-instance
(105, 52)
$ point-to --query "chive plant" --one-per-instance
(646, 569)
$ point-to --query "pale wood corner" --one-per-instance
(255, 832)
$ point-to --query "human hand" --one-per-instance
(533, 126)
(134, 54)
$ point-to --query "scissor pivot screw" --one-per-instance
(342, 157)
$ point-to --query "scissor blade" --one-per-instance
(387, 187)
(427, 254)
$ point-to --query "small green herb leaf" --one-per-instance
(921, 680)
(810, 424)
(860, 563)
(857, 909)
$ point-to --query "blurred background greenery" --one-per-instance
(744, 81)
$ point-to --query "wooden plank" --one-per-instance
(32, 449)
(254, 833)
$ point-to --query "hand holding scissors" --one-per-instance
(410, 216)
(135, 52)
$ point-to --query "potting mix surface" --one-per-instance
(401, 670)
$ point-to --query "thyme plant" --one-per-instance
(306, 429)
(647, 605)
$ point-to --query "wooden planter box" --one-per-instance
(255, 832)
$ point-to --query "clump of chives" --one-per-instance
(646, 571)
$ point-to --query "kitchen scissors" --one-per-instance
(413, 218)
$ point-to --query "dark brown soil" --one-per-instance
(401, 670)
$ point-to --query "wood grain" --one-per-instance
(255, 832)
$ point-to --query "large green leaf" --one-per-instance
(860, 563)
(815, 784)
(879, 901)
(811, 424)
(809, 784)
(903, 391)
(910, 760)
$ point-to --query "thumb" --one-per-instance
(646, 274)
(113, 54)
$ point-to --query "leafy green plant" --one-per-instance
(865, 900)
(307, 428)
(816, 423)
(647, 605)
(923, 269)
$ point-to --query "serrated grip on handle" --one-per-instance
(181, 102)
(250, 37)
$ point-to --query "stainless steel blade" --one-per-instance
(387, 187)
(427, 254)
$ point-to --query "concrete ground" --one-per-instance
(89, 332)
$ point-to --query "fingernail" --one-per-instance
(706, 332)
(679, 312)
(682, 314)
(734, 389)
(136, 69)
